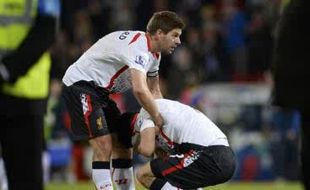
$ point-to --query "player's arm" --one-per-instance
(146, 146)
(144, 96)
(153, 84)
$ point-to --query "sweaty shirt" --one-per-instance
(183, 124)
(108, 61)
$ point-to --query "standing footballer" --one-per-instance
(115, 63)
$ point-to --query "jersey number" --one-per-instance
(123, 35)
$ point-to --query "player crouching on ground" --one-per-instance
(198, 151)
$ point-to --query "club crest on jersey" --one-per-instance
(139, 60)
(99, 123)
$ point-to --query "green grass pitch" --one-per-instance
(226, 186)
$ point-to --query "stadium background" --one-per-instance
(222, 68)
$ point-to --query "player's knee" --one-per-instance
(102, 147)
(105, 141)
(141, 176)
(123, 153)
(226, 174)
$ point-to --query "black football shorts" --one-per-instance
(197, 167)
(91, 110)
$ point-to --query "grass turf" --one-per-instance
(226, 186)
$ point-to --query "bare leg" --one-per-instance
(145, 175)
(101, 175)
(102, 147)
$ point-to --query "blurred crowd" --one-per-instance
(224, 41)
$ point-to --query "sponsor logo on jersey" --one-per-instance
(139, 60)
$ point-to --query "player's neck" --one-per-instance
(152, 43)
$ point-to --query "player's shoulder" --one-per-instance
(166, 104)
(133, 39)
(139, 40)
(125, 39)
(143, 114)
(165, 101)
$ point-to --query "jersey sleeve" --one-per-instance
(153, 71)
(147, 123)
(136, 58)
(144, 121)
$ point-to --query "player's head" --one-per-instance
(130, 126)
(165, 21)
(166, 28)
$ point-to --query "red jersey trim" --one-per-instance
(156, 55)
(170, 142)
(173, 169)
(87, 115)
(178, 166)
(135, 38)
(148, 41)
(132, 123)
(115, 76)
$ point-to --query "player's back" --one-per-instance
(186, 124)
(108, 58)
(111, 47)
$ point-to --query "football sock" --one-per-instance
(162, 184)
(123, 174)
(168, 186)
(101, 175)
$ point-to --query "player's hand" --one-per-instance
(159, 121)
(160, 153)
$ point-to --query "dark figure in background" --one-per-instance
(291, 69)
(28, 29)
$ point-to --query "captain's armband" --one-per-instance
(152, 74)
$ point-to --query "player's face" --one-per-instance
(170, 41)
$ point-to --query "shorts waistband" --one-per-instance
(92, 84)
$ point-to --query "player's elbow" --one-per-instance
(146, 151)
(156, 94)
(139, 92)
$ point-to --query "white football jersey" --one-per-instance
(183, 124)
(107, 61)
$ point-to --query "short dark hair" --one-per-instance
(164, 20)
